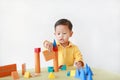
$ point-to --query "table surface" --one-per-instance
(99, 74)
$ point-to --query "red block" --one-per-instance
(7, 69)
(37, 50)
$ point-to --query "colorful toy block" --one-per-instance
(15, 75)
(72, 73)
(51, 76)
(55, 60)
(7, 69)
(50, 69)
(27, 75)
(23, 68)
(37, 60)
(68, 73)
(84, 73)
(63, 67)
(55, 49)
(77, 74)
(48, 55)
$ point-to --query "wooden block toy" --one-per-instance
(48, 55)
(23, 68)
(55, 60)
(15, 75)
(50, 69)
(37, 60)
(27, 75)
(7, 69)
(63, 67)
(72, 73)
(55, 48)
(51, 76)
(68, 73)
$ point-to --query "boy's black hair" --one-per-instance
(64, 22)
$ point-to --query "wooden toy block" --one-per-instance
(37, 50)
(23, 68)
(7, 69)
(27, 75)
(68, 73)
(15, 75)
(72, 73)
(48, 55)
(63, 67)
(50, 69)
(37, 60)
(55, 62)
(51, 76)
(55, 49)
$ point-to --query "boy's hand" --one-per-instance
(48, 45)
(79, 64)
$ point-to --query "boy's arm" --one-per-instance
(78, 57)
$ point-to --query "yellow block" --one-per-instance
(72, 73)
(27, 75)
(51, 75)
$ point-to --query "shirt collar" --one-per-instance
(70, 44)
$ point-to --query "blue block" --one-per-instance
(90, 71)
(89, 77)
(50, 69)
(77, 74)
(82, 74)
(68, 73)
(86, 69)
(63, 67)
(54, 43)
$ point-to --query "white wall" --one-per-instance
(25, 24)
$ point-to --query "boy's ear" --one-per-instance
(71, 33)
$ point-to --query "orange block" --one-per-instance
(55, 62)
(7, 69)
(23, 68)
(15, 75)
(48, 55)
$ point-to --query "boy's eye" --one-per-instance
(64, 33)
(58, 33)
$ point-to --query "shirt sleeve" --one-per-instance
(78, 55)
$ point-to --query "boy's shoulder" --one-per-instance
(72, 44)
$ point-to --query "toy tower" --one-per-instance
(37, 59)
(55, 59)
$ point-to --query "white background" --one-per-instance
(25, 24)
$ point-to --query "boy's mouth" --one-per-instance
(62, 40)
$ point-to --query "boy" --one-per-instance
(68, 53)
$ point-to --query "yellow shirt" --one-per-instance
(68, 55)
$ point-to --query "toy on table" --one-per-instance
(50, 69)
(51, 76)
(15, 75)
(52, 55)
(23, 68)
(7, 69)
(62, 67)
(83, 73)
(37, 59)
(55, 60)
(27, 75)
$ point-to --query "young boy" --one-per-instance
(68, 53)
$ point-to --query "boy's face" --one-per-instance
(63, 33)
